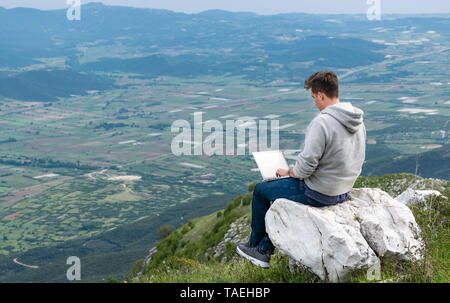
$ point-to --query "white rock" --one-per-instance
(151, 252)
(411, 196)
(335, 240)
(388, 225)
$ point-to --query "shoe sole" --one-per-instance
(253, 260)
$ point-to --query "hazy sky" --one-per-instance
(259, 6)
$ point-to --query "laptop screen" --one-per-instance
(269, 161)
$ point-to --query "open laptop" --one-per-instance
(268, 162)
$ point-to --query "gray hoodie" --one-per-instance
(334, 150)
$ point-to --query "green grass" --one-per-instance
(202, 225)
(184, 270)
(393, 184)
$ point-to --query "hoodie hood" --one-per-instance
(349, 116)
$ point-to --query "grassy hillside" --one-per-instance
(429, 164)
(197, 252)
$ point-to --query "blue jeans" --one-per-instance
(267, 191)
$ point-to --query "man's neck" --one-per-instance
(335, 101)
(332, 102)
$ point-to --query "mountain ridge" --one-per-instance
(209, 257)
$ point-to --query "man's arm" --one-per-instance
(291, 173)
(315, 142)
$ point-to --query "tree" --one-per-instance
(165, 230)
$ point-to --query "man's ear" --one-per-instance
(321, 96)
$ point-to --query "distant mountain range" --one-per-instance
(155, 42)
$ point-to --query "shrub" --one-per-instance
(185, 229)
(165, 230)
(247, 199)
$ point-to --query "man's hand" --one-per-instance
(282, 172)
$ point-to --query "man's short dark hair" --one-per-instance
(325, 82)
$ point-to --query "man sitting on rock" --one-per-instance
(325, 170)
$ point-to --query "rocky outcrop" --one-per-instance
(334, 241)
(147, 260)
(239, 231)
(411, 196)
